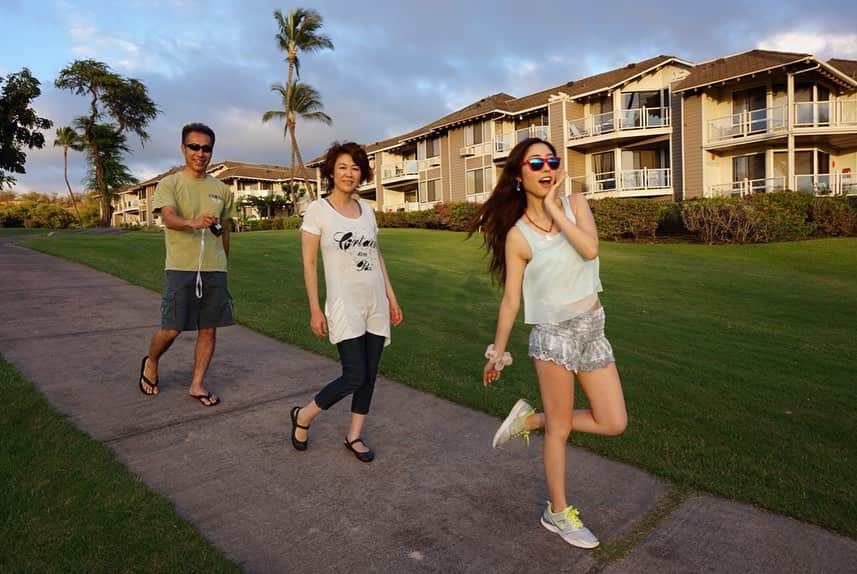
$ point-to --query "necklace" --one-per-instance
(530, 219)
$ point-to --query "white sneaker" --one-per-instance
(513, 425)
(567, 524)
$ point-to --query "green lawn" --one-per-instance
(739, 363)
(68, 506)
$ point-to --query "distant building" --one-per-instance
(132, 206)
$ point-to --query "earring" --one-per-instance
(518, 186)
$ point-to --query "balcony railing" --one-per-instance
(609, 122)
(841, 113)
(629, 182)
(477, 197)
(504, 143)
(483, 148)
(743, 187)
(646, 178)
(402, 170)
(410, 206)
(747, 123)
(817, 184)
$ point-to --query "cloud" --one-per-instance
(824, 46)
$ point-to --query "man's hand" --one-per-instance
(203, 221)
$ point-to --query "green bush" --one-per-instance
(762, 218)
(834, 216)
(780, 216)
(618, 218)
(35, 215)
(460, 215)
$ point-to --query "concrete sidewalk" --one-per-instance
(437, 498)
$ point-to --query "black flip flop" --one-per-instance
(207, 396)
(143, 379)
(367, 456)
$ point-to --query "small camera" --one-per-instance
(216, 229)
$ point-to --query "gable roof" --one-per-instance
(238, 169)
(731, 67)
(504, 104)
(847, 67)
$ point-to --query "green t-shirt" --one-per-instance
(192, 197)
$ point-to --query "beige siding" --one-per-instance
(457, 165)
(446, 152)
(557, 124)
(692, 141)
(576, 164)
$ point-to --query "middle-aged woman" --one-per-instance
(360, 303)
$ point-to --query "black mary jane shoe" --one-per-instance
(367, 456)
(298, 444)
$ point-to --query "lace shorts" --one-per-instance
(578, 344)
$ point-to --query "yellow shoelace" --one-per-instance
(573, 516)
(525, 433)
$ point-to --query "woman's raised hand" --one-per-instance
(551, 202)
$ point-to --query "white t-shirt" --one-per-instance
(356, 299)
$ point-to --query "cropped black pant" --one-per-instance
(360, 358)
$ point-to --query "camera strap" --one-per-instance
(199, 264)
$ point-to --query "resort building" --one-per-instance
(660, 128)
(767, 121)
(132, 206)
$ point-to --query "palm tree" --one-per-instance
(301, 101)
(298, 32)
(68, 138)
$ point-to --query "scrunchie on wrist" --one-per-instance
(499, 362)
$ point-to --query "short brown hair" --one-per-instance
(352, 149)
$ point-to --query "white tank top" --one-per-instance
(558, 282)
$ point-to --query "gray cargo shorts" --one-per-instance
(182, 311)
(578, 344)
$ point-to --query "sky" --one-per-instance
(396, 64)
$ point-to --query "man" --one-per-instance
(196, 209)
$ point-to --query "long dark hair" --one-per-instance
(503, 208)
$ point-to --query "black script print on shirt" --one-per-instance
(361, 248)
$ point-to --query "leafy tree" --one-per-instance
(126, 102)
(267, 206)
(300, 31)
(306, 104)
(19, 124)
(67, 138)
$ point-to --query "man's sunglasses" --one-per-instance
(196, 147)
(537, 163)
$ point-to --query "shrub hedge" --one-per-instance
(32, 214)
(762, 218)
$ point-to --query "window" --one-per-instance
(637, 100)
(478, 181)
(812, 104)
(749, 109)
(433, 147)
(474, 133)
(430, 191)
(604, 168)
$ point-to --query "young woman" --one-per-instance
(544, 246)
(360, 303)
